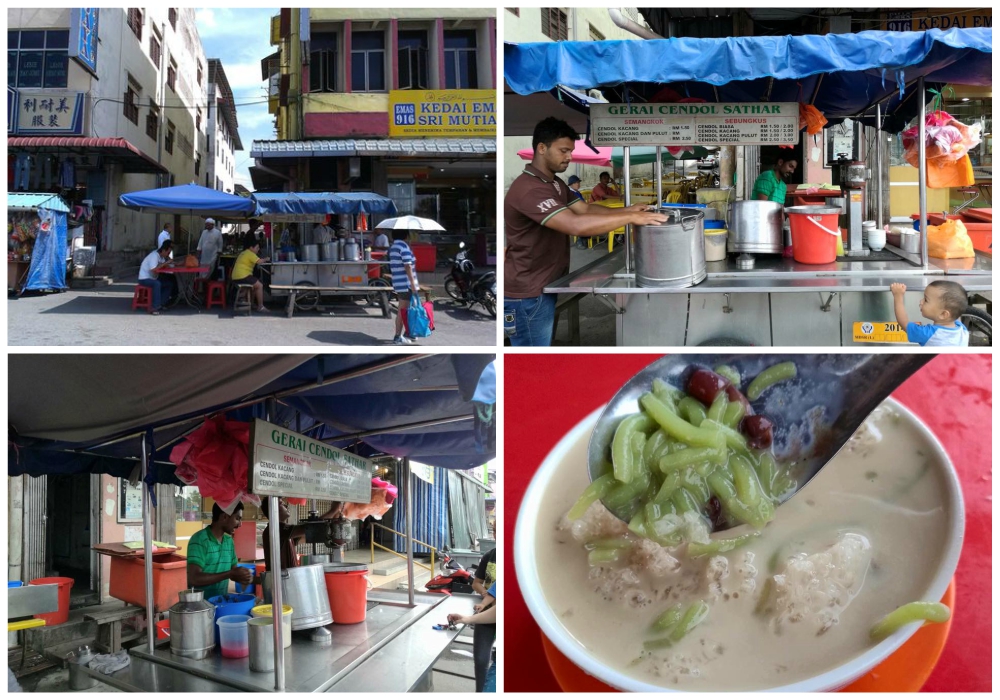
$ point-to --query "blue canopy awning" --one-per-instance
(29, 201)
(366, 203)
(194, 200)
(128, 393)
(310, 206)
(842, 75)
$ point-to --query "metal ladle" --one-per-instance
(846, 387)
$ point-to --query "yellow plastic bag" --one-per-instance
(949, 240)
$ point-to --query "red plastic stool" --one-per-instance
(142, 298)
(216, 294)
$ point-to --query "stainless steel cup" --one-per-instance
(261, 635)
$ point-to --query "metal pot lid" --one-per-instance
(191, 601)
(343, 568)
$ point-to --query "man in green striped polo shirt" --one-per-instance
(211, 555)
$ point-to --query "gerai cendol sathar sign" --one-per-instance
(285, 463)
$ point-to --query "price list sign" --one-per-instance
(702, 124)
(283, 463)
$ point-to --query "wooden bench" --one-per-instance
(109, 627)
(295, 289)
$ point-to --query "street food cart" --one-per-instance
(36, 242)
(343, 267)
(750, 89)
(418, 406)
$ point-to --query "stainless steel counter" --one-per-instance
(391, 651)
(774, 274)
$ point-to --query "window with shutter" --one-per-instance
(555, 24)
(134, 19)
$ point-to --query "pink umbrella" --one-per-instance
(582, 154)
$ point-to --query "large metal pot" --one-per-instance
(309, 253)
(192, 626)
(328, 252)
(671, 254)
(755, 227)
(352, 251)
(304, 588)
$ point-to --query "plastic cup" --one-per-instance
(234, 636)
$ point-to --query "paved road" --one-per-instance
(103, 316)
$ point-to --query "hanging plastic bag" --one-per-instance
(811, 119)
(418, 321)
(944, 173)
(217, 455)
(947, 140)
(949, 240)
(383, 494)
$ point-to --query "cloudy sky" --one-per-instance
(240, 38)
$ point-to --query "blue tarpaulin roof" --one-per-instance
(319, 204)
(126, 393)
(26, 201)
(841, 74)
(189, 199)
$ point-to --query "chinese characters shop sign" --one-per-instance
(50, 112)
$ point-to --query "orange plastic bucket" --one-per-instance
(348, 594)
(163, 629)
(61, 615)
(814, 234)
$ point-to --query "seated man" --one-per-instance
(290, 535)
(604, 189)
(244, 267)
(211, 555)
(149, 275)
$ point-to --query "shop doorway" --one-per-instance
(72, 528)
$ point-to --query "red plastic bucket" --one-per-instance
(163, 629)
(348, 594)
(814, 234)
(62, 615)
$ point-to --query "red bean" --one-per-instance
(735, 394)
(705, 385)
(759, 431)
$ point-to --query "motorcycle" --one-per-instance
(454, 578)
(464, 285)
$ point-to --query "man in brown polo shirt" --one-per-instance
(540, 215)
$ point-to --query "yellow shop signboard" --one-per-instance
(430, 113)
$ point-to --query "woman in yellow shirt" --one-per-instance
(243, 269)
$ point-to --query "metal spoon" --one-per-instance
(814, 414)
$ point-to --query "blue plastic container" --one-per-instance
(249, 588)
(714, 223)
(676, 205)
(231, 604)
(15, 584)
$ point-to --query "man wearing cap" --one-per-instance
(164, 236)
(209, 247)
(574, 188)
